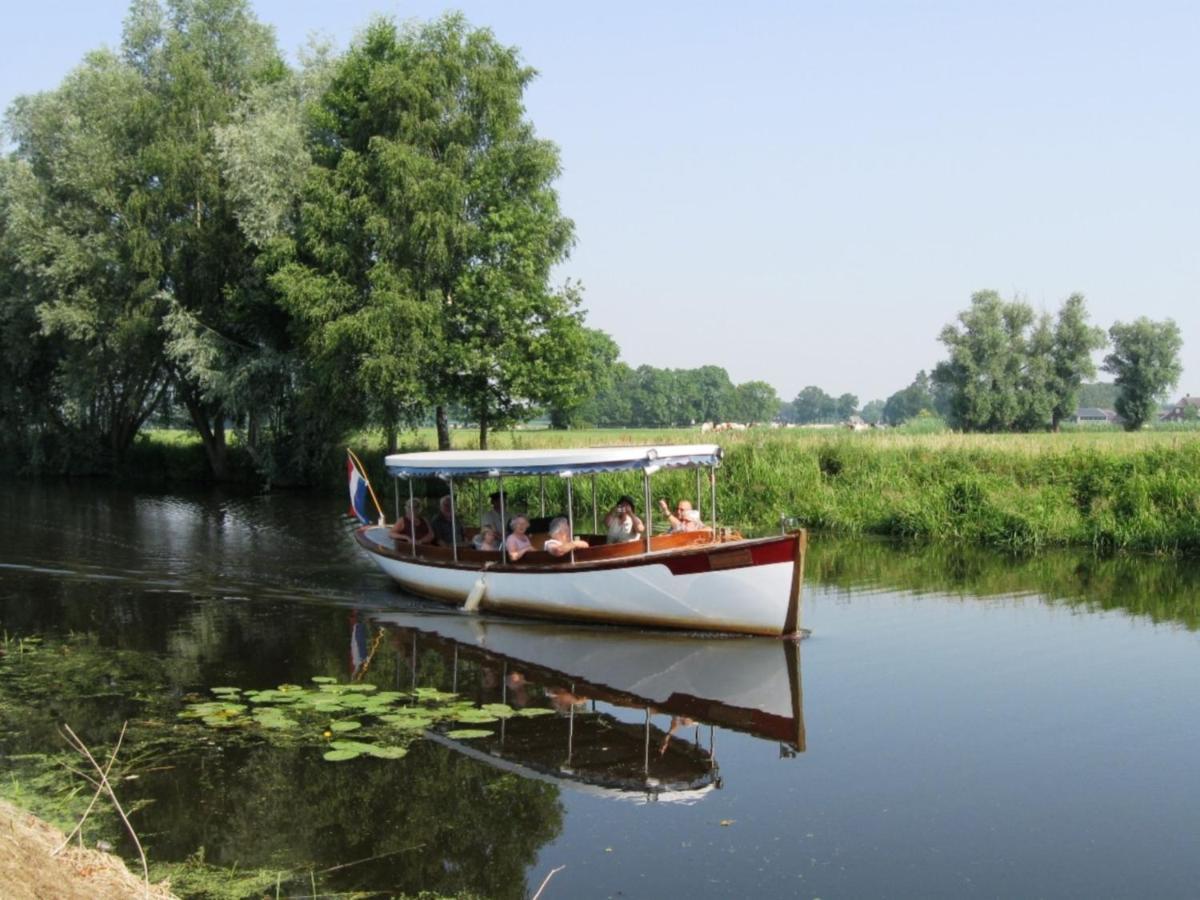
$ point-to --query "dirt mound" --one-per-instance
(28, 871)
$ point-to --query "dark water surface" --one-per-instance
(958, 724)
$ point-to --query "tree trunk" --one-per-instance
(443, 427)
(392, 437)
(211, 426)
(483, 428)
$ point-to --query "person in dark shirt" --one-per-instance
(412, 526)
(447, 529)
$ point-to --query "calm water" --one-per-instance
(958, 724)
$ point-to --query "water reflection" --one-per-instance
(1164, 590)
(634, 714)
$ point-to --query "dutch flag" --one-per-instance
(360, 493)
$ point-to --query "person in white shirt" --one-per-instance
(560, 542)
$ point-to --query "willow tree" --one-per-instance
(79, 233)
(197, 61)
(1145, 363)
(428, 229)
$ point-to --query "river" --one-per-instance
(958, 723)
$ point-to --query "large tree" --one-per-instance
(198, 60)
(84, 240)
(1145, 363)
(429, 228)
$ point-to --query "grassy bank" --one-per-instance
(1103, 489)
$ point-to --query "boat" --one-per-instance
(635, 711)
(711, 579)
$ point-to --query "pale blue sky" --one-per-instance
(805, 193)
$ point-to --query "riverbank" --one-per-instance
(1101, 489)
(29, 870)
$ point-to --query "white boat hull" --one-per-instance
(644, 591)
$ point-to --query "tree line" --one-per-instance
(1009, 369)
(365, 239)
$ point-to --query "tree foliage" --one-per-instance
(1145, 365)
(1011, 370)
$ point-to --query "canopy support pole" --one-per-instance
(595, 510)
(412, 523)
(542, 495)
(698, 502)
(396, 496)
(571, 517)
(712, 482)
(503, 526)
(453, 522)
(649, 519)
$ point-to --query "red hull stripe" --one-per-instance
(733, 558)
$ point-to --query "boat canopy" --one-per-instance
(447, 464)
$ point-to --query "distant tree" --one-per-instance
(909, 402)
(812, 405)
(846, 406)
(714, 395)
(755, 401)
(577, 408)
(1145, 363)
(872, 412)
(987, 365)
(1074, 343)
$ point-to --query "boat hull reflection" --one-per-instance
(610, 685)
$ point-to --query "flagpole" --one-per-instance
(371, 490)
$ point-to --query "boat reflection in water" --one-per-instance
(635, 713)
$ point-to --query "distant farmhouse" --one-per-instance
(1185, 409)
(1093, 415)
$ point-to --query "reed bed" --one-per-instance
(1104, 489)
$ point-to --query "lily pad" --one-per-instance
(468, 733)
(531, 711)
(500, 710)
(345, 725)
(323, 679)
(341, 755)
(389, 752)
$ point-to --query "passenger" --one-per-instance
(446, 527)
(518, 543)
(411, 524)
(487, 539)
(492, 516)
(560, 542)
(622, 524)
(684, 518)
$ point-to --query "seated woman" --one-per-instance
(560, 542)
(622, 524)
(411, 526)
(487, 539)
(518, 543)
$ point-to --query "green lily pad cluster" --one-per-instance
(332, 709)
